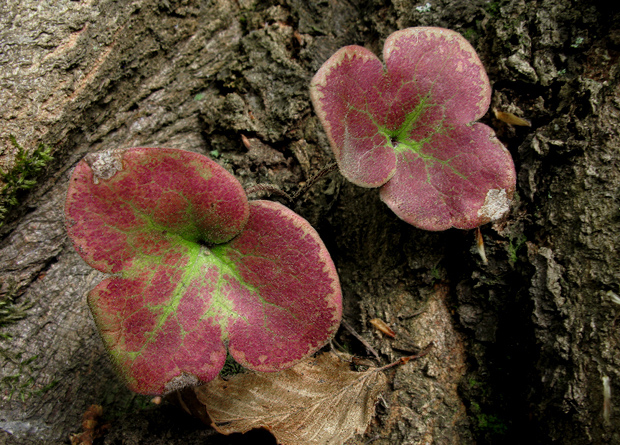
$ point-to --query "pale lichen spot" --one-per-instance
(613, 296)
(496, 204)
(606, 399)
(105, 164)
(181, 381)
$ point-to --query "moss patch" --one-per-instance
(22, 176)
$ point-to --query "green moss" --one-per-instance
(475, 384)
(21, 383)
(491, 424)
(513, 248)
(23, 176)
(578, 42)
(10, 309)
(492, 8)
(470, 34)
(487, 424)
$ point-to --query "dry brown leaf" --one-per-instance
(91, 423)
(383, 327)
(318, 401)
(511, 119)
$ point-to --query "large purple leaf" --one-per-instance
(410, 127)
(198, 268)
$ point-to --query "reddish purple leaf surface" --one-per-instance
(409, 127)
(198, 269)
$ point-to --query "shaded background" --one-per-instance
(521, 345)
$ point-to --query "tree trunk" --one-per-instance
(523, 346)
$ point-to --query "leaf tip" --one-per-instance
(511, 119)
(480, 246)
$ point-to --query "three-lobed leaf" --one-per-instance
(197, 269)
(410, 128)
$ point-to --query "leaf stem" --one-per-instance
(403, 360)
(313, 180)
(267, 190)
(349, 328)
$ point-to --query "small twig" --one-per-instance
(372, 439)
(321, 173)
(349, 328)
(403, 360)
(384, 402)
(267, 190)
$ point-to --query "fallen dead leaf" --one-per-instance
(511, 119)
(383, 327)
(91, 424)
(318, 401)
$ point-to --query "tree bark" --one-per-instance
(523, 346)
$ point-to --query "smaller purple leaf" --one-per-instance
(410, 128)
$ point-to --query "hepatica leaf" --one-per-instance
(197, 269)
(409, 128)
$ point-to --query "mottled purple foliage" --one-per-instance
(409, 128)
(197, 269)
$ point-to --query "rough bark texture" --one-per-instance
(522, 345)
